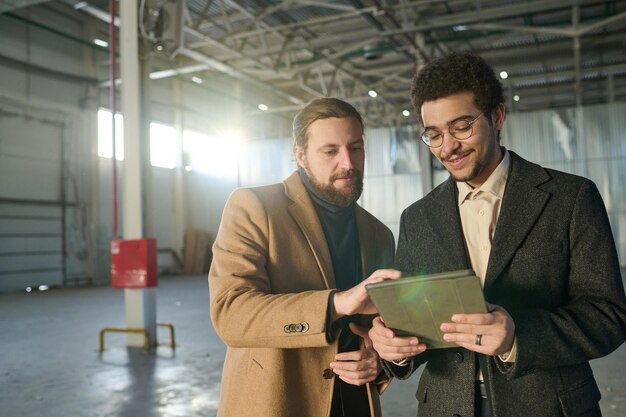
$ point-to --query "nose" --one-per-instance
(449, 142)
(345, 159)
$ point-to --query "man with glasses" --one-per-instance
(540, 241)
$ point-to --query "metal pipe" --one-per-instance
(146, 337)
(112, 98)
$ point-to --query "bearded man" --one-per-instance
(287, 283)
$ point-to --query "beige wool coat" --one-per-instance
(269, 283)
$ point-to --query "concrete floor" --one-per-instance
(50, 364)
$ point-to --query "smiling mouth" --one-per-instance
(456, 160)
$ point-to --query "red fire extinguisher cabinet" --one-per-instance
(134, 263)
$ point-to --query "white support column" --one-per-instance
(140, 303)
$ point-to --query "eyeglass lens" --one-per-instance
(460, 129)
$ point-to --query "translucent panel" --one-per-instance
(589, 142)
(213, 156)
(266, 161)
(105, 137)
(377, 152)
(162, 146)
(386, 196)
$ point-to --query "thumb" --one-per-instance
(362, 333)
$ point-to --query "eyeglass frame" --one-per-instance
(470, 126)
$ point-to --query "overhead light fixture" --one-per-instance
(263, 107)
(372, 93)
(196, 80)
(459, 28)
(504, 75)
(516, 97)
(101, 43)
(406, 113)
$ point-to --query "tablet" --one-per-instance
(417, 305)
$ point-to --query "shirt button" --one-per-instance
(328, 373)
(481, 212)
(458, 357)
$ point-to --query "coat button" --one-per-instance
(298, 327)
(305, 326)
(328, 373)
(458, 357)
(286, 329)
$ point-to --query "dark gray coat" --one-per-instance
(553, 267)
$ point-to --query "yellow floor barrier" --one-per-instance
(146, 337)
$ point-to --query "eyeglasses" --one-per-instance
(460, 130)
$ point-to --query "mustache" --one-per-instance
(345, 174)
(455, 154)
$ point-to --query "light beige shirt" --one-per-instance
(479, 209)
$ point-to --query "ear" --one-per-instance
(499, 114)
(300, 156)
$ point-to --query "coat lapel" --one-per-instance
(522, 204)
(442, 216)
(368, 247)
(303, 212)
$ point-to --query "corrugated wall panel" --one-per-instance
(590, 142)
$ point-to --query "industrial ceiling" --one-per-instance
(556, 53)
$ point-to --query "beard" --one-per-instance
(478, 167)
(339, 197)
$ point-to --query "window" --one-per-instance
(217, 157)
(162, 146)
(105, 139)
(162, 140)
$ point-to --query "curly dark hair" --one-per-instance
(455, 73)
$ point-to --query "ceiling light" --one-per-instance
(459, 28)
(372, 93)
(516, 97)
(196, 80)
(504, 75)
(101, 43)
(263, 107)
(406, 113)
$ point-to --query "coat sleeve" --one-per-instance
(591, 323)
(244, 311)
(402, 259)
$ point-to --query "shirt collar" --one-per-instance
(495, 183)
